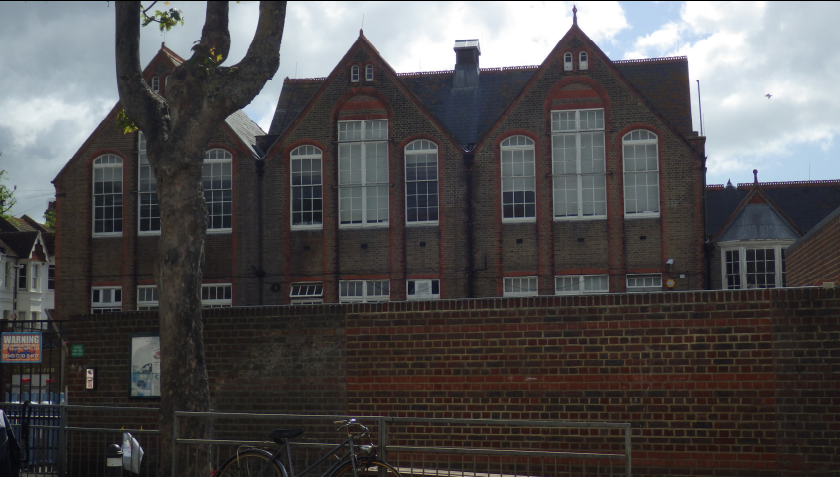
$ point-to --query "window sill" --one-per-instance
(423, 224)
(108, 235)
(525, 220)
(308, 227)
(219, 231)
(363, 226)
(652, 215)
(152, 233)
(584, 218)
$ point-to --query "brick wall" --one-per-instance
(816, 259)
(715, 383)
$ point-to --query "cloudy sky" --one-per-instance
(57, 69)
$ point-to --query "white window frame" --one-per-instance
(567, 62)
(307, 293)
(354, 74)
(148, 210)
(155, 84)
(10, 275)
(518, 174)
(421, 289)
(631, 176)
(521, 286)
(583, 60)
(107, 171)
(778, 248)
(216, 295)
(364, 291)
(51, 277)
(581, 284)
(637, 283)
(217, 179)
(589, 177)
(22, 277)
(35, 277)
(369, 73)
(147, 298)
(105, 299)
(305, 182)
(413, 151)
(360, 143)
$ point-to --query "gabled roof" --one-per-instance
(18, 236)
(664, 82)
(246, 130)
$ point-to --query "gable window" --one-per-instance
(581, 284)
(363, 173)
(218, 193)
(147, 201)
(369, 73)
(22, 281)
(105, 300)
(521, 286)
(51, 277)
(579, 164)
(147, 298)
(107, 195)
(641, 174)
(354, 73)
(567, 62)
(216, 295)
(426, 289)
(364, 291)
(155, 84)
(644, 283)
(584, 60)
(754, 266)
(519, 196)
(307, 293)
(307, 204)
(421, 182)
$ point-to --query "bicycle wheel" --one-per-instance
(367, 468)
(251, 463)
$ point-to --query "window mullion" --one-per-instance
(579, 171)
(363, 184)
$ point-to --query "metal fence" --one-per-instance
(432, 446)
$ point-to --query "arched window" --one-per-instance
(567, 62)
(579, 164)
(218, 191)
(641, 173)
(363, 173)
(107, 195)
(369, 73)
(307, 208)
(421, 182)
(354, 73)
(155, 84)
(518, 179)
(584, 60)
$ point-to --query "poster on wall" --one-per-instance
(21, 348)
(145, 366)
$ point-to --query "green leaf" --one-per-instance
(125, 124)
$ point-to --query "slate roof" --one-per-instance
(246, 129)
(830, 217)
(20, 243)
(664, 83)
(294, 96)
(805, 203)
(758, 222)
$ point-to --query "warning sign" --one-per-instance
(21, 348)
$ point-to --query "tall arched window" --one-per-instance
(354, 73)
(363, 173)
(518, 179)
(218, 190)
(567, 62)
(369, 73)
(307, 199)
(107, 195)
(584, 60)
(421, 182)
(579, 164)
(641, 173)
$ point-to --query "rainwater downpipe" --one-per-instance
(469, 158)
(260, 273)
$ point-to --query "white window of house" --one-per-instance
(369, 73)
(155, 84)
(584, 60)
(567, 62)
(579, 164)
(423, 289)
(363, 173)
(641, 174)
(421, 182)
(307, 293)
(364, 291)
(218, 189)
(51, 277)
(35, 278)
(217, 295)
(107, 195)
(105, 300)
(521, 286)
(10, 275)
(519, 197)
(581, 284)
(147, 298)
(307, 199)
(753, 266)
(354, 73)
(644, 283)
(147, 202)
(23, 283)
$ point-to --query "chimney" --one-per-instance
(466, 63)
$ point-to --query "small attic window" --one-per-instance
(567, 62)
(369, 73)
(584, 61)
(155, 84)
(354, 74)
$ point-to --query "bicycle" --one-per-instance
(357, 460)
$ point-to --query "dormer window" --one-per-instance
(584, 61)
(567, 62)
(369, 73)
(354, 74)
(155, 84)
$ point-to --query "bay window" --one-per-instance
(755, 265)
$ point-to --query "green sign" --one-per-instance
(77, 351)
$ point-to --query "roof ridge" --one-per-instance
(652, 60)
(747, 185)
(304, 80)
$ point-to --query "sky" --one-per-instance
(57, 74)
